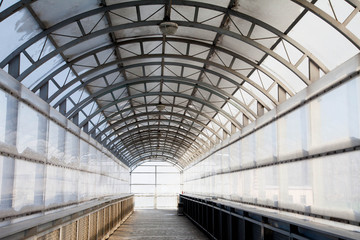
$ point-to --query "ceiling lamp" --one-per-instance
(168, 28)
(160, 107)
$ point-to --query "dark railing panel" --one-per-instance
(226, 220)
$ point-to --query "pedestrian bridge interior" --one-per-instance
(244, 114)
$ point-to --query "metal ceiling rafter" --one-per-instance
(145, 2)
(110, 117)
(156, 130)
(178, 106)
(143, 147)
(235, 55)
(183, 158)
(173, 94)
(149, 23)
(186, 153)
(166, 150)
(154, 135)
(244, 79)
(171, 79)
(165, 154)
(42, 26)
(117, 52)
(151, 156)
(118, 140)
(181, 132)
(171, 114)
(131, 140)
(149, 137)
(160, 145)
(223, 24)
(96, 77)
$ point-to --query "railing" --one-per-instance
(94, 220)
(228, 220)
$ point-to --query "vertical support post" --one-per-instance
(40, 175)
(86, 127)
(281, 94)
(14, 66)
(233, 128)
(76, 119)
(245, 120)
(8, 174)
(225, 135)
(44, 91)
(155, 197)
(314, 71)
(260, 109)
(62, 107)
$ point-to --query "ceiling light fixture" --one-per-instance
(160, 107)
(168, 28)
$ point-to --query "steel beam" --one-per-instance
(143, 58)
(114, 115)
(171, 114)
(190, 41)
(180, 140)
(167, 127)
(173, 94)
(164, 141)
(151, 2)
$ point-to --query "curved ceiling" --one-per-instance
(106, 65)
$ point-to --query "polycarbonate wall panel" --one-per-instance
(296, 178)
(50, 165)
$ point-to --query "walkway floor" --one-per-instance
(157, 224)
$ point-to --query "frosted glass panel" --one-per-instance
(3, 110)
(56, 143)
(54, 177)
(335, 119)
(7, 168)
(168, 178)
(84, 154)
(298, 180)
(31, 132)
(72, 145)
(137, 178)
(248, 151)
(266, 150)
(292, 130)
(336, 184)
(144, 202)
(234, 153)
(24, 184)
(143, 189)
(168, 189)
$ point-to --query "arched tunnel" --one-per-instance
(180, 119)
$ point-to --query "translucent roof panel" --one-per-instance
(314, 34)
(141, 93)
(19, 27)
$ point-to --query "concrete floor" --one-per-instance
(157, 224)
